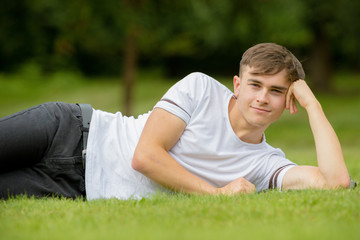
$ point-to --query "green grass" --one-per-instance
(271, 215)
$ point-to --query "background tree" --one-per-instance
(334, 25)
(111, 37)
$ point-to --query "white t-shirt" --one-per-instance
(208, 148)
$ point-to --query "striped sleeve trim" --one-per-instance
(172, 102)
(274, 176)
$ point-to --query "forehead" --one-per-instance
(280, 78)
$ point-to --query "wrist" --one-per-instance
(215, 191)
(314, 106)
(207, 189)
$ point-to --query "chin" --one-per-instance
(258, 124)
(261, 123)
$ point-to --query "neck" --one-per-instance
(245, 131)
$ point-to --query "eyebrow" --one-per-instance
(274, 86)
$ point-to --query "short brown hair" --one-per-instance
(271, 58)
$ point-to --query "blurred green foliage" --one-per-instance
(179, 35)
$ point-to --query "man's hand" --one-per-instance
(238, 186)
(301, 92)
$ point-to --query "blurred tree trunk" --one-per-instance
(321, 63)
(321, 22)
(131, 54)
(130, 69)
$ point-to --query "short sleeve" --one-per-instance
(276, 178)
(274, 169)
(183, 97)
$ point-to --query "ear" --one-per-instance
(236, 85)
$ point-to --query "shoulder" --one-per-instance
(196, 85)
(199, 78)
(199, 82)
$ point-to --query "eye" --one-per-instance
(277, 91)
(255, 85)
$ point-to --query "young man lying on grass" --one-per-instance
(200, 138)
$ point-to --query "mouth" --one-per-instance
(261, 110)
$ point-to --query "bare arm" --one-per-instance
(331, 171)
(151, 158)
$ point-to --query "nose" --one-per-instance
(263, 97)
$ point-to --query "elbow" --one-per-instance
(146, 159)
(345, 182)
(139, 162)
(341, 182)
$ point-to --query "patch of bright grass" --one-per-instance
(270, 215)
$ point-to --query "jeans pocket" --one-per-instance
(63, 176)
(63, 163)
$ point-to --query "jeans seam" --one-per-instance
(19, 113)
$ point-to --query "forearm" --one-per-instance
(328, 149)
(158, 165)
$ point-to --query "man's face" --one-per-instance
(260, 98)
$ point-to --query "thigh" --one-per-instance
(42, 132)
(24, 137)
(40, 151)
(39, 182)
(29, 181)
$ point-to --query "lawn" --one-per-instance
(271, 215)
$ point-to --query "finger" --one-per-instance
(291, 105)
(294, 107)
(288, 98)
(287, 103)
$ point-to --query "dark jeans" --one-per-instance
(40, 152)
